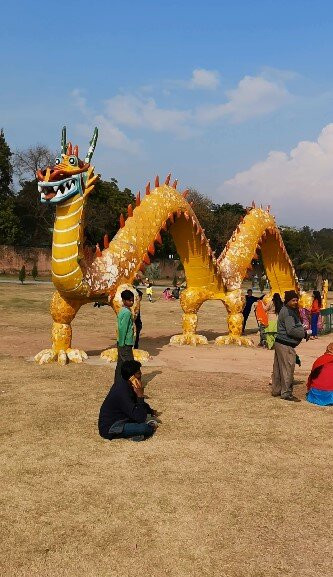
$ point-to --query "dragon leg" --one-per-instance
(234, 303)
(191, 300)
(63, 312)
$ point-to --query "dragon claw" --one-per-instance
(234, 340)
(49, 355)
(111, 355)
(141, 356)
(188, 339)
(45, 356)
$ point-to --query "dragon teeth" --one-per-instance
(65, 187)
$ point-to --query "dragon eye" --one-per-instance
(72, 160)
(57, 161)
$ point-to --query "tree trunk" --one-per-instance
(319, 282)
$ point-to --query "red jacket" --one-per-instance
(315, 306)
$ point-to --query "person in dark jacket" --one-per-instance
(290, 333)
(138, 322)
(124, 412)
(249, 301)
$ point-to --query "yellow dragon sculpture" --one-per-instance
(79, 281)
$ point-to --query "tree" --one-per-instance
(226, 218)
(22, 274)
(10, 228)
(103, 210)
(324, 240)
(36, 218)
(319, 264)
(9, 222)
(27, 161)
(34, 272)
(153, 271)
(298, 243)
(218, 220)
(6, 169)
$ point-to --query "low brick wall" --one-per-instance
(12, 258)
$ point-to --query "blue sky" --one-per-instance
(234, 98)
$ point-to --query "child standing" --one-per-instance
(125, 340)
(149, 292)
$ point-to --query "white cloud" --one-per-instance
(204, 79)
(80, 102)
(298, 185)
(109, 134)
(113, 137)
(137, 112)
(254, 96)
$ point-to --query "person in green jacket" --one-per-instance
(126, 338)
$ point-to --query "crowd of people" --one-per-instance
(125, 413)
(283, 326)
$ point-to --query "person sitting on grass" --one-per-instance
(320, 382)
(167, 294)
(175, 293)
(124, 413)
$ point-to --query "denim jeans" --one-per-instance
(134, 430)
(314, 323)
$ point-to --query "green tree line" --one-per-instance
(25, 221)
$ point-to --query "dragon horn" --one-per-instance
(92, 146)
(63, 141)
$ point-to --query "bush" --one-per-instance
(22, 274)
(34, 272)
(153, 271)
(175, 280)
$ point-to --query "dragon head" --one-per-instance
(69, 176)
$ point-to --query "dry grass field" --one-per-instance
(234, 483)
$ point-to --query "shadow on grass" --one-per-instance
(155, 344)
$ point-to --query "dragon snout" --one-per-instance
(49, 174)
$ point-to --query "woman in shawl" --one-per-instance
(320, 382)
(273, 310)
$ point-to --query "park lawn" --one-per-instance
(233, 484)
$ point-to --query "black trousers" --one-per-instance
(125, 353)
(138, 331)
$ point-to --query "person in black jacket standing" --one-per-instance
(290, 333)
(138, 322)
(249, 300)
(124, 412)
